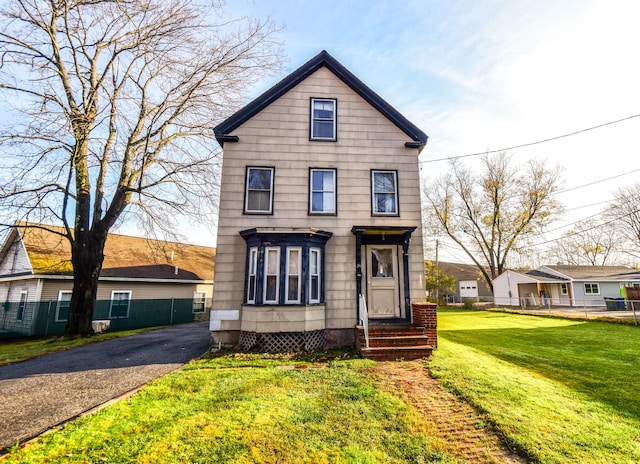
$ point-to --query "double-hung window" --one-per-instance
(271, 274)
(591, 289)
(284, 267)
(314, 275)
(64, 302)
(293, 282)
(119, 304)
(322, 191)
(199, 301)
(323, 119)
(252, 275)
(258, 198)
(384, 193)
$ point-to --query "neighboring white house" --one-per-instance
(319, 204)
(564, 285)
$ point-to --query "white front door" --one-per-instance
(382, 281)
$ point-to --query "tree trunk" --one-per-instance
(87, 256)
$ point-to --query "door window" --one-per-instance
(381, 262)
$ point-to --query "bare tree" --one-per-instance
(112, 107)
(624, 212)
(489, 213)
(590, 243)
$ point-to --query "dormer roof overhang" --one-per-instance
(223, 130)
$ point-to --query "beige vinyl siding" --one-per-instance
(279, 136)
(139, 290)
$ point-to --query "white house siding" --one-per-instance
(16, 261)
(279, 136)
(9, 316)
(507, 282)
(607, 290)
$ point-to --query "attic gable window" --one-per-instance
(258, 198)
(323, 119)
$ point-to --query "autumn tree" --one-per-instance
(491, 211)
(109, 108)
(591, 242)
(437, 282)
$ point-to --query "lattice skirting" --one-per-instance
(282, 342)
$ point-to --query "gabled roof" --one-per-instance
(461, 271)
(223, 131)
(124, 256)
(612, 273)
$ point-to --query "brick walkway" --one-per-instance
(455, 426)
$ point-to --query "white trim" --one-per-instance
(298, 275)
(60, 293)
(199, 297)
(267, 275)
(105, 279)
(253, 263)
(313, 251)
(246, 190)
(334, 103)
(597, 284)
(374, 210)
(113, 293)
(312, 191)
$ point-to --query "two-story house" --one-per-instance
(319, 204)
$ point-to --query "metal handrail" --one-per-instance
(364, 315)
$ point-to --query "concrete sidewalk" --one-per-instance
(44, 392)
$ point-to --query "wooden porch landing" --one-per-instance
(393, 342)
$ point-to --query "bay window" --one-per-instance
(284, 267)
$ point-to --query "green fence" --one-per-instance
(46, 318)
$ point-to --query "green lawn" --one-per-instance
(248, 409)
(558, 390)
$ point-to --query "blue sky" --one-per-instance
(487, 75)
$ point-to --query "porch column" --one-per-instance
(358, 271)
(406, 239)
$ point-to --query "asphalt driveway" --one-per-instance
(40, 393)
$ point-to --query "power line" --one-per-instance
(578, 232)
(446, 158)
(596, 182)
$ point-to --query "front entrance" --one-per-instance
(383, 281)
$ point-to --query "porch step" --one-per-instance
(388, 342)
(397, 353)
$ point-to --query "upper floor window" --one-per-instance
(323, 119)
(322, 191)
(591, 289)
(258, 198)
(384, 193)
(64, 302)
